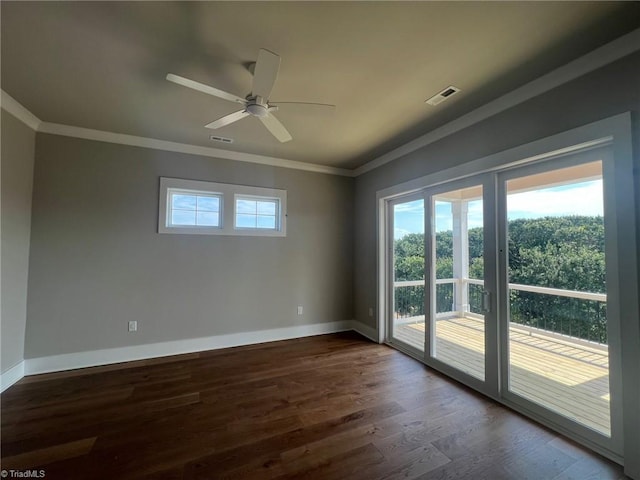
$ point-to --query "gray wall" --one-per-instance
(18, 142)
(97, 260)
(608, 91)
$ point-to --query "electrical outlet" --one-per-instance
(300, 309)
(370, 311)
(133, 326)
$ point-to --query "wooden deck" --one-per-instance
(570, 378)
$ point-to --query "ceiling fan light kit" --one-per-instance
(256, 104)
(257, 107)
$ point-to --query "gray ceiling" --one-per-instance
(103, 65)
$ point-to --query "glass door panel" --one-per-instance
(407, 267)
(556, 293)
(457, 279)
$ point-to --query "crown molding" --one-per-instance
(145, 142)
(615, 50)
(11, 105)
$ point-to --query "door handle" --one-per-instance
(486, 301)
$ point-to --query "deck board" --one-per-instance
(569, 378)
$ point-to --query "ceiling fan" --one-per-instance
(265, 71)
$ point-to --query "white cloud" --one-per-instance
(582, 199)
(400, 232)
(408, 218)
(416, 206)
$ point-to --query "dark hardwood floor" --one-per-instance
(326, 407)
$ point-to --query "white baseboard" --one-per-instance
(71, 361)
(11, 376)
(365, 331)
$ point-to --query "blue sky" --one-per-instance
(408, 218)
(204, 210)
(583, 198)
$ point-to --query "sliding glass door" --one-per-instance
(406, 317)
(502, 281)
(456, 286)
(556, 329)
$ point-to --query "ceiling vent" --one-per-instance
(448, 92)
(216, 138)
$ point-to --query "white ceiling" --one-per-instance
(102, 65)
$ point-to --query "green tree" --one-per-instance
(558, 252)
(409, 257)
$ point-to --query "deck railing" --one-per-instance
(567, 312)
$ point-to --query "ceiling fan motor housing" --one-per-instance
(258, 110)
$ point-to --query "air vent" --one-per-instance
(216, 138)
(448, 92)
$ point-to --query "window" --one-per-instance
(196, 207)
(192, 209)
(257, 212)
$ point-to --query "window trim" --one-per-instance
(227, 193)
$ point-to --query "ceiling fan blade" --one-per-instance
(276, 128)
(228, 119)
(201, 87)
(265, 73)
(312, 106)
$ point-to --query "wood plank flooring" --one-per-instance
(326, 407)
(570, 378)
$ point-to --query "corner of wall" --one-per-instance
(365, 330)
(11, 376)
(18, 157)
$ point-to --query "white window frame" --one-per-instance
(227, 193)
(199, 193)
(278, 215)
